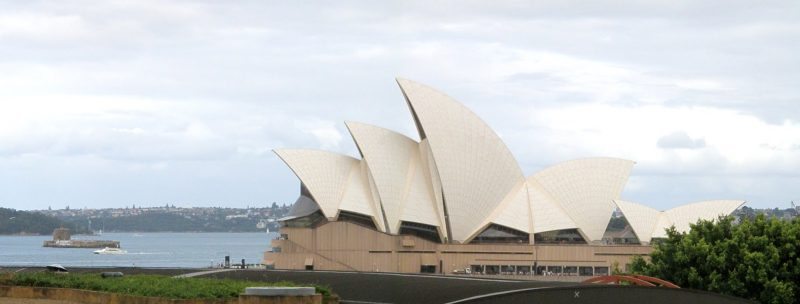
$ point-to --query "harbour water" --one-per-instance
(143, 250)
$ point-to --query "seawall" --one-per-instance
(81, 244)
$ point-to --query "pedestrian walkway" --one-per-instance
(201, 273)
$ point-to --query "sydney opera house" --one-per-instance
(455, 200)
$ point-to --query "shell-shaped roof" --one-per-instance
(475, 167)
(460, 177)
(643, 219)
(394, 161)
(585, 189)
(303, 206)
(684, 215)
(515, 211)
(434, 184)
(548, 214)
(649, 223)
(358, 198)
(325, 174)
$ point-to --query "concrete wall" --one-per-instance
(348, 246)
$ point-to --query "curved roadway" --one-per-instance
(363, 287)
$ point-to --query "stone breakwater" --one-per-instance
(81, 244)
(63, 239)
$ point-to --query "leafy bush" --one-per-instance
(146, 285)
(757, 260)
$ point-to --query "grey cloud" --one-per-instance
(680, 140)
(270, 67)
(678, 190)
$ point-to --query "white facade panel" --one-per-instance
(684, 215)
(388, 155)
(642, 219)
(420, 202)
(357, 195)
(376, 199)
(586, 189)
(325, 174)
(476, 168)
(548, 215)
(660, 230)
(434, 184)
(515, 212)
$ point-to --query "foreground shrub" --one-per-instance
(757, 260)
(145, 285)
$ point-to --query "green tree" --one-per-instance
(757, 259)
(22, 222)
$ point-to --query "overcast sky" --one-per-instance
(115, 103)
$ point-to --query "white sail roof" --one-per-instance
(643, 219)
(586, 188)
(358, 198)
(394, 162)
(548, 214)
(684, 215)
(476, 168)
(325, 174)
(514, 212)
(649, 223)
(460, 177)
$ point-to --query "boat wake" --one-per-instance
(149, 253)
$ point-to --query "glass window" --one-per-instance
(501, 234)
(492, 269)
(423, 231)
(356, 218)
(427, 269)
(476, 269)
(554, 269)
(566, 236)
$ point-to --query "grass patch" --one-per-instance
(146, 285)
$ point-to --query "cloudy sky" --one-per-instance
(114, 103)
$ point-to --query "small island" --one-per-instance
(62, 239)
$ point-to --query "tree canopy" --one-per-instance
(756, 259)
(22, 222)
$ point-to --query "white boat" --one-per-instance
(108, 250)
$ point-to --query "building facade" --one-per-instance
(455, 200)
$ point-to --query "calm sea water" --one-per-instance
(144, 250)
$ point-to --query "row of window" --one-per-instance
(494, 234)
(538, 270)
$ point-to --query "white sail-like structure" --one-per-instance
(649, 223)
(324, 174)
(460, 183)
(586, 188)
(476, 169)
(395, 164)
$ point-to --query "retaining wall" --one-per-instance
(97, 297)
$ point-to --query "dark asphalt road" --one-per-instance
(423, 289)
(359, 287)
(390, 288)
